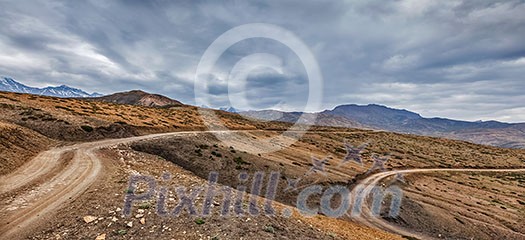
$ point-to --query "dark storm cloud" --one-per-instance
(459, 59)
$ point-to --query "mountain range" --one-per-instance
(400, 120)
(372, 116)
(10, 85)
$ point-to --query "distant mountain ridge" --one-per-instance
(380, 117)
(372, 116)
(229, 109)
(139, 98)
(10, 85)
(320, 119)
(400, 120)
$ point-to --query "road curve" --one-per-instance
(65, 184)
(365, 187)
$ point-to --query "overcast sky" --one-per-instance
(454, 59)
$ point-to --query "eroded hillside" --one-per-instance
(18, 144)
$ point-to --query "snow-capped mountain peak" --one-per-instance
(10, 85)
(229, 109)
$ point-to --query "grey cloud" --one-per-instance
(462, 59)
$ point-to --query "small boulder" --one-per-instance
(89, 219)
(101, 237)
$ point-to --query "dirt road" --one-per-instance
(44, 183)
(365, 187)
(47, 182)
(26, 197)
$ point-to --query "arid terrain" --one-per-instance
(66, 166)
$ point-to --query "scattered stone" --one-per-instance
(130, 224)
(142, 221)
(139, 215)
(89, 219)
(269, 229)
(101, 237)
(114, 219)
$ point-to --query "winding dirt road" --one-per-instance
(46, 182)
(25, 199)
(364, 188)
